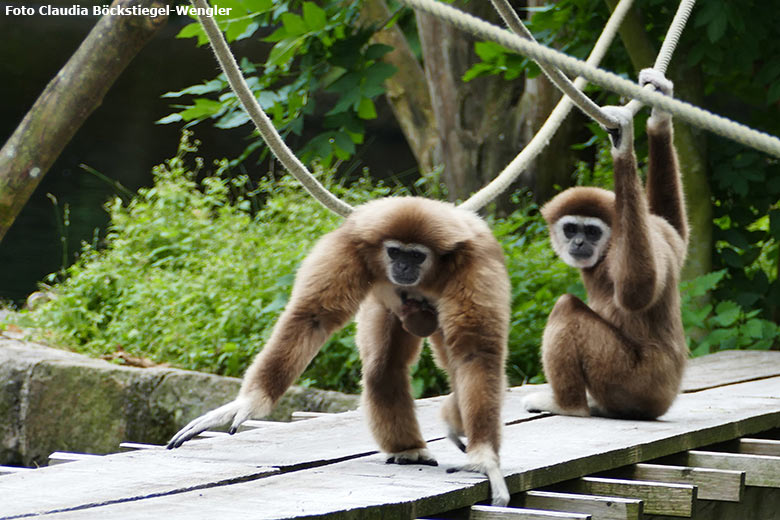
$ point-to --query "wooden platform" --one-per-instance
(328, 466)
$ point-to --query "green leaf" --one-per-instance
(717, 26)
(214, 85)
(193, 30)
(283, 52)
(727, 313)
(314, 16)
(293, 24)
(233, 119)
(257, 6)
(366, 109)
(201, 109)
(171, 118)
(377, 50)
(378, 72)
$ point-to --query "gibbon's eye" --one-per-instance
(418, 257)
(569, 230)
(592, 233)
(393, 253)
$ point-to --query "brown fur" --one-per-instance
(627, 347)
(468, 288)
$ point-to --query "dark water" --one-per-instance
(119, 139)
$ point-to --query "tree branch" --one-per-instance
(66, 102)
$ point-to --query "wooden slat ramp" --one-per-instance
(328, 466)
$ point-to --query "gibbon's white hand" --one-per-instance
(235, 412)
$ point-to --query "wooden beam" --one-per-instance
(760, 447)
(728, 367)
(7, 470)
(61, 457)
(251, 424)
(129, 446)
(659, 498)
(713, 484)
(510, 513)
(760, 470)
(602, 508)
(302, 415)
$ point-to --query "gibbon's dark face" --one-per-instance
(580, 241)
(406, 263)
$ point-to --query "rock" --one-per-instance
(54, 400)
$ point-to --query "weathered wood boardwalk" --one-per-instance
(328, 466)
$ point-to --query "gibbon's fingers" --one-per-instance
(622, 137)
(416, 456)
(216, 417)
(662, 85)
(656, 79)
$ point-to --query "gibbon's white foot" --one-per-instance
(234, 412)
(416, 456)
(545, 402)
(483, 459)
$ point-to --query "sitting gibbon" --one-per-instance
(622, 354)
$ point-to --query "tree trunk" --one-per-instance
(67, 101)
(689, 142)
(407, 91)
(553, 167)
(478, 121)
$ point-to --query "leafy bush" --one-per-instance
(195, 273)
(314, 48)
(723, 325)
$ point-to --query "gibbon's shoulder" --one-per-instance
(585, 201)
(439, 225)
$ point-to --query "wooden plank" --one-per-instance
(729, 367)
(760, 447)
(61, 457)
(712, 484)
(127, 446)
(659, 498)
(509, 513)
(302, 415)
(602, 508)
(252, 424)
(8, 470)
(536, 453)
(760, 470)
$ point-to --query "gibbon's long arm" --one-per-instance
(330, 284)
(639, 274)
(664, 186)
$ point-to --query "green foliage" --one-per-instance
(538, 280)
(724, 325)
(314, 47)
(196, 273)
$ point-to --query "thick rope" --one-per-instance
(684, 111)
(542, 138)
(667, 48)
(560, 80)
(261, 120)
